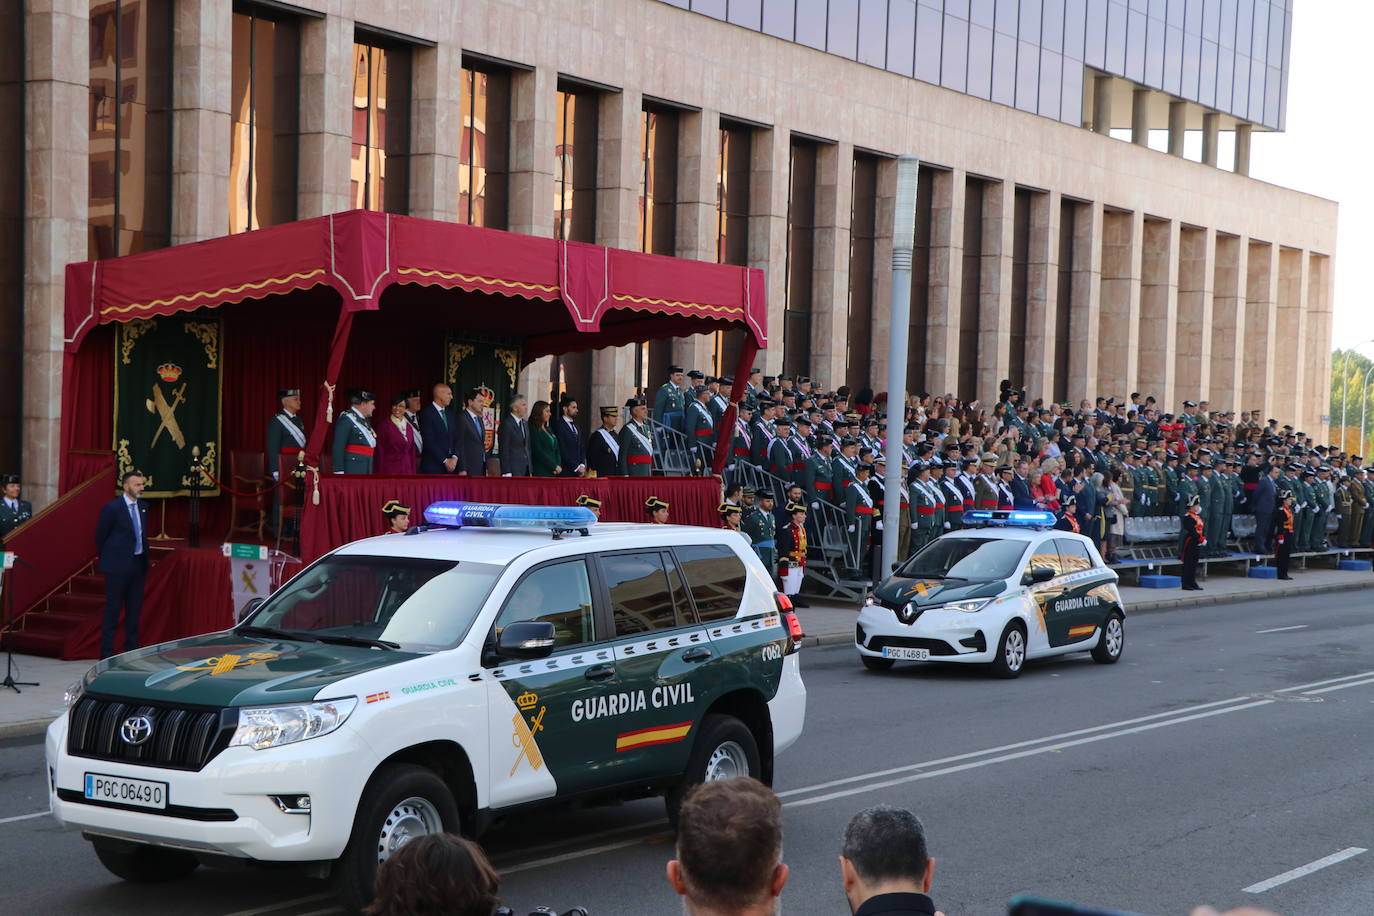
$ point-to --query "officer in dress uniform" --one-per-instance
(720, 399)
(984, 485)
(1193, 540)
(860, 514)
(701, 429)
(412, 396)
(740, 441)
(953, 496)
(13, 510)
(590, 503)
(821, 474)
(761, 526)
(397, 517)
(603, 449)
(924, 527)
(1068, 514)
(792, 544)
(729, 516)
(877, 488)
(286, 430)
(1283, 533)
(780, 458)
(636, 458)
(657, 510)
(670, 400)
(803, 473)
(843, 469)
(761, 432)
(354, 439)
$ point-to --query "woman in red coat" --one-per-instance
(397, 451)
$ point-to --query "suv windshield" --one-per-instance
(980, 559)
(415, 604)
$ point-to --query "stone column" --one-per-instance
(1317, 315)
(1122, 238)
(1210, 130)
(530, 200)
(436, 125)
(56, 195)
(1178, 127)
(1243, 132)
(1042, 294)
(1292, 373)
(1140, 117)
(830, 283)
(1159, 310)
(1258, 345)
(946, 281)
(768, 193)
(201, 97)
(881, 322)
(994, 297)
(1102, 105)
(1085, 329)
(1196, 272)
(697, 211)
(326, 118)
(617, 224)
(1228, 323)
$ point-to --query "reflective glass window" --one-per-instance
(658, 181)
(980, 61)
(1240, 86)
(1051, 73)
(12, 262)
(1173, 60)
(1226, 67)
(873, 32)
(641, 600)
(748, 13)
(1004, 69)
(732, 194)
(713, 8)
(1052, 25)
(801, 253)
(1278, 29)
(1071, 96)
(1273, 85)
(716, 578)
(559, 594)
(957, 8)
(1192, 16)
(811, 23)
(1116, 37)
(779, 17)
(1259, 33)
(379, 176)
(901, 36)
(1008, 16)
(1227, 23)
(983, 12)
(1207, 75)
(1030, 21)
(574, 165)
(929, 26)
(1211, 19)
(1245, 21)
(1136, 36)
(1174, 12)
(1027, 76)
(842, 38)
(954, 54)
(1192, 58)
(1075, 25)
(1095, 35)
(1154, 53)
(1073, 555)
(264, 118)
(484, 147)
(1256, 106)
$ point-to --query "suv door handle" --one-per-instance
(599, 672)
(699, 654)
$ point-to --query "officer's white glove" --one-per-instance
(815, 505)
(946, 526)
(914, 526)
(276, 475)
(878, 524)
(851, 528)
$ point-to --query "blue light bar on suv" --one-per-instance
(1012, 518)
(494, 515)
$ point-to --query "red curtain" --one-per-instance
(351, 506)
(87, 403)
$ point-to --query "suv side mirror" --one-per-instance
(526, 639)
(247, 611)
(1041, 574)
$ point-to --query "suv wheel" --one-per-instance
(873, 663)
(1112, 641)
(143, 864)
(724, 749)
(403, 801)
(1011, 652)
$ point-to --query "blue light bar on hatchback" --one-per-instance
(1014, 518)
(495, 515)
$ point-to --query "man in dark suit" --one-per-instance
(1263, 502)
(472, 436)
(1020, 488)
(121, 539)
(439, 449)
(572, 451)
(513, 439)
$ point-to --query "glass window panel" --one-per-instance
(1141, 5)
(929, 26)
(658, 182)
(1173, 60)
(1192, 16)
(954, 56)
(1029, 21)
(843, 37)
(561, 595)
(1073, 555)
(1116, 38)
(1227, 23)
(980, 61)
(1207, 75)
(873, 32)
(1154, 53)
(983, 12)
(1136, 37)
(1259, 33)
(1075, 24)
(1192, 57)
(265, 86)
(901, 36)
(957, 8)
(1273, 86)
(1278, 29)
(1175, 12)
(1004, 69)
(778, 17)
(1027, 76)
(811, 23)
(1245, 16)
(1240, 86)
(732, 195)
(574, 166)
(1052, 25)
(1256, 107)
(1051, 77)
(1008, 15)
(1157, 9)
(641, 600)
(1211, 19)
(1226, 65)
(716, 579)
(713, 8)
(747, 13)
(484, 147)
(1095, 35)
(379, 176)
(1071, 102)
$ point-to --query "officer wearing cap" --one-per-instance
(413, 396)
(603, 448)
(285, 431)
(1325, 507)
(951, 493)
(803, 473)
(761, 526)
(1187, 486)
(1284, 523)
(927, 503)
(657, 510)
(1366, 532)
(740, 440)
(670, 400)
(701, 428)
(730, 518)
(1213, 506)
(1193, 538)
(860, 514)
(780, 457)
(590, 503)
(636, 457)
(13, 510)
(985, 485)
(821, 474)
(753, 388)
(720, 398)
(397, 516)
(1303, 492)
(762, 431)
(355, 441)
(792, 545)
(842, 468)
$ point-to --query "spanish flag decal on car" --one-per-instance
(1082, 631)
(659, 734)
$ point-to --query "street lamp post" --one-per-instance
(1364, 406)
(1345, 388)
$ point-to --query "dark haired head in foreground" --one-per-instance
(436, 874)
(885, 863)
(729, 849)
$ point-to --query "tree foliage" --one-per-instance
(1352, 387)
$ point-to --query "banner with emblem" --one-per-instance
(489, 364)
(167, 401)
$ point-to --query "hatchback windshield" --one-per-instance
(407, 603)
(973, 559)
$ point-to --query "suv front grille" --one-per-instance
(183, 737)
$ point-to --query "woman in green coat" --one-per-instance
(543, 445)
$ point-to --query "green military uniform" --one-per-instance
(739, 449)
(842, 474)
(1187, 489)
(669, 399)
(1345, 506)
(822, 482)
(762, 529)
(701, 430)
(635, 439)
(1154, 490)
(285, 439)
(860, 514)
(16, 514)
(1317, 539)
(1302, 512)
(354, 441)
(1126, 480)
(923, 502)
(1168, 487)
(1367, 532)
(1216, 510)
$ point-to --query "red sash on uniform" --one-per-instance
(988, 505)
(706, 432)
(290, 451)
(364, 450)
(822, 485)
(925, 510)
(864, 510)
(741, 453)
(639, 459)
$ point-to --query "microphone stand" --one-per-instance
(8, 595)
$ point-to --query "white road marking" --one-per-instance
(569, 856)
(1333, 687)
(1301, 626)
(282, 905)
(24, 817)
(1304, 870)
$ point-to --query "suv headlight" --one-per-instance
(271, 726)
(968, 607)
(73, 693)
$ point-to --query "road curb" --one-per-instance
(1170, 604)
(25, 729)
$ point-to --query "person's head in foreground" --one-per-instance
(885, 856)
(729, 850)
(436, 874)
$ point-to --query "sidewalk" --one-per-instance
(826, 623)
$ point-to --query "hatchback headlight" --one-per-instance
(968, 607)
(272, 726)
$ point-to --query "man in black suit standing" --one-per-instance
(472, 436)
(513, 439)
(438, 451)
(1263, 502)
(121, 539)
(572, 450)
(1020, 487)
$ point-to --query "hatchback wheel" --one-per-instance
(1011, 652)
(1112, 641)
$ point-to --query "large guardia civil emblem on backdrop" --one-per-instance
(167, 402)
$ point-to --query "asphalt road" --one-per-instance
(1228, 750)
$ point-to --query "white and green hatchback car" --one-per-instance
(1006, 589)
(434, 681)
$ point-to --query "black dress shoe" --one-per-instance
(1283, 577)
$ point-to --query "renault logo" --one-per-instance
(136, 730)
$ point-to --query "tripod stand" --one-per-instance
(7, 629)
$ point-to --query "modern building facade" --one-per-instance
(759, 132)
